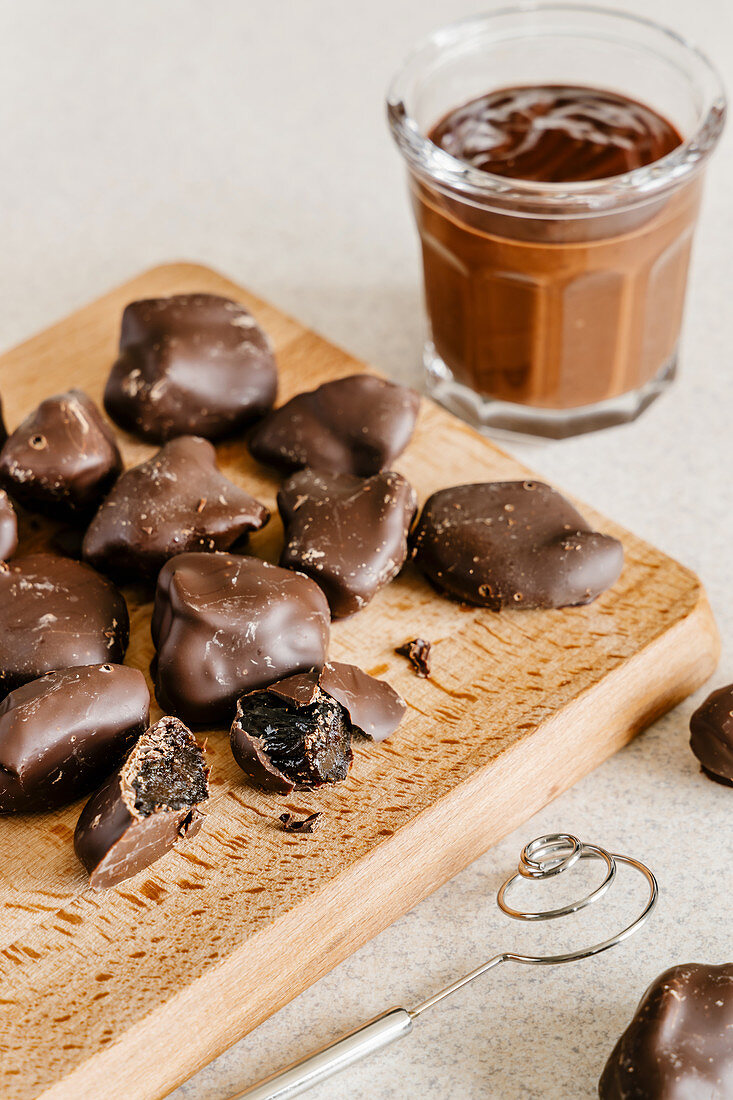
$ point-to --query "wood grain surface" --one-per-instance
(126, 993)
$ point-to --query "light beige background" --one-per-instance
(249, 134)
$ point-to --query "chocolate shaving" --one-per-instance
(292, 825)
(417, 651)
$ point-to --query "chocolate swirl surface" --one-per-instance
(555, 133)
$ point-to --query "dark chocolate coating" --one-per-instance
(56, 613)
(8, 527)
(225, 624)
(3, 429)
(354, 425)
(191, 364)
(177, 501)
(679, 1045)
(62, 734)
(517, 544)
(711, 730)
(372, 708)
(136, 817)
(348, 533)
(63, 459)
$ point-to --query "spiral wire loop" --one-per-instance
(544, 858)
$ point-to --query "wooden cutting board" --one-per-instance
(125, 994)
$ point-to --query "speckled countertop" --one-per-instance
(250, 136)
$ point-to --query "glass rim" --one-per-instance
(440, 168)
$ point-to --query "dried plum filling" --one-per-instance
(171, 773)
(309, 745)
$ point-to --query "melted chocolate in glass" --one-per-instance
(555, 133)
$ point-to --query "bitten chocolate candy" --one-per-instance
(348, 533)
(149, 804)
(62, 459)
(711, 730)
(354, 425)
(298, 732)
(56, 613)
(191, 364)
(224, 624)
(513, 544)
(678, 1045)
(8, 527)
(176, 501)
(62, 734)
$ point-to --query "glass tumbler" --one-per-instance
(554, 308)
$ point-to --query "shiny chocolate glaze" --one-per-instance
(57, 613)
(353, 425)
(177, 501)
(225, 624)
(61, 734)
(63, 458)
(348, 533)
(191, 364)
(711, 735)
(515, 544)
(679, 1045)
(555, 133)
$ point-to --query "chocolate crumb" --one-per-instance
(292, 825)
(417, 652)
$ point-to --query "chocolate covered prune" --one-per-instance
(57, 613)
(353, 425)
(225, 624)
(175, 502)
(711, 735)
(146, 807)
(63, 459)
(282, 744)
(298, 731)
(515, 544)
(678, 1045)
(61, 734)
(348, 533)
(191, 364)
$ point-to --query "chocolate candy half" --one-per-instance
(297, 733)
(516, 544)
(354, 425)
(224, 624)
(348, 533)
(176, 501)
(191, 364)
(56, 613)
(711, 740)
(8, 527)
(62, 734)
(63, 458)
(283, 743)
(678, 1045)
(146, 807)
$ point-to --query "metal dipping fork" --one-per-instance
(542, 858)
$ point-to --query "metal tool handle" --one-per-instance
(330, 1059)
